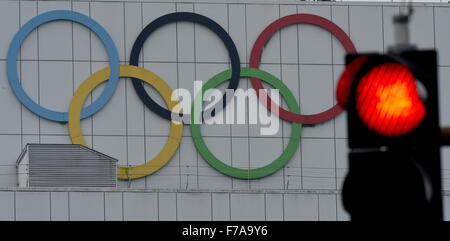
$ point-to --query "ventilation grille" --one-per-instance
(54, 165)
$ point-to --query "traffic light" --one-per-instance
(393, 136)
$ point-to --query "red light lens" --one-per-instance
(387, 100)
(346, 80)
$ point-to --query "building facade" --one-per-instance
(58, 56)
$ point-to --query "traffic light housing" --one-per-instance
(393, 136)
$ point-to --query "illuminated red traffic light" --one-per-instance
(387, 100)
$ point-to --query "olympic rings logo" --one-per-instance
(139, 75)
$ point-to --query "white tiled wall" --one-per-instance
(57, 57)
(188, 205)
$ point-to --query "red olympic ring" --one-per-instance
(255, 58)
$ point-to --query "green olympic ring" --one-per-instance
(233, 171)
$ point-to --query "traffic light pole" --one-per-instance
(401, 32)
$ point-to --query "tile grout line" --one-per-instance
(284, 215)
(206, 136)
(299, 94)
(143, 105)
(212, 210)
(382, 28)
(231, 129)
(68, 206)
(123, 207)
(15, 206)
(20, 73)
(73, 57)
(334, 101)
(269, 3)
(229, 204)
(265, 206)
(126, 90)
(90, 70)
(434, 28)
(281, 101)
(248, 125)
(50, 204)
(318, 207)
(38, 72)
(195, 76)
(157, 204)
(334, 120)
(178, 86)
(176, 206)
(104, 206)
(170, 62)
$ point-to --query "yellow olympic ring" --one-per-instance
(176, 128)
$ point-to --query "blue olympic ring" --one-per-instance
(71, 16)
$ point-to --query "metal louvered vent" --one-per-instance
(61, 165)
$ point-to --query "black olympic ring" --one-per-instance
(186, 17)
